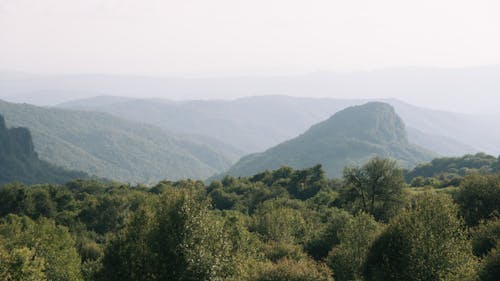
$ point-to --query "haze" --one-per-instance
(221, 38)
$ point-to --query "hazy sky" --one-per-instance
(222, 37)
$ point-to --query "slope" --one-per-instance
(111, 147)
(254, 124)
(19, 161)
(351, 136)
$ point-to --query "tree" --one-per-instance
(490, 269)
(327, 236)
(45, 241)
(356, 237)
(178, 238)
(426, 241)
(486, 237)
(486, 245)
(280, 224)
(376, 186)
(20, 264)
(479, 197)
(306, 183)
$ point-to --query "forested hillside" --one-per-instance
(114, 148)
(250, 124)
(255, 124)
(450, 171)
(277, 225)
(19, 161)
(351, 136)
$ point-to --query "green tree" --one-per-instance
(486, 237)
(178, 239)
(326, 235)
(280, 224)
(49, 242)
(479, 197)
(356, 237)
(490, 267)
(426, 241)
(20, 264)
(376, 186)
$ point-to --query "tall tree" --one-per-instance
(356, 237)
(479, 197)
(45, 240)
(426, 241)
(376, 186)
(177, 238)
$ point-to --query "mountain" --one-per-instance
(445, 146)
(350, 136)
(477, 131)
(20, 163)
(250, 124)
(468, 89)
(254, 124)
(110, 147)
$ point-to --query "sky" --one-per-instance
(195, 38)
(264, 38)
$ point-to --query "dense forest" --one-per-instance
(20, 162)
(283, 224)
(110, 147)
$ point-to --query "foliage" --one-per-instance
(486, 237)
(19, 162)
(326, 235)
(110, 147)
(21, 263)
(427, 241)
(42, 243)
(459, 166)
(276, 225)
(290, 270)
(347, 259)
(451, 171)
(178, 240)
(479, 197)
(490, 269)
(376, 187)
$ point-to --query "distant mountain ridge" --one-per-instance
(110, 147)
(249, 124)
(20, 163)
(255, 124)
(416, 85)
(351, 136)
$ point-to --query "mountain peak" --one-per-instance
(374, 121)
(351, 136)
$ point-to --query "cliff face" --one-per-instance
(16, 140)
(19, 161)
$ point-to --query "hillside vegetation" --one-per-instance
(351, 136)
(254, 124)
(279, 225)
(113, 148)
(450, 171)
(19, 162)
